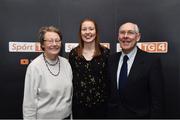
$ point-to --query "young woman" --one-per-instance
(88, 62)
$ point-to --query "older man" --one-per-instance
(135, 78)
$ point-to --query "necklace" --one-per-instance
(51, 64)
(47, 63)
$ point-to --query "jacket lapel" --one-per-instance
(138, 62)
(114, 71)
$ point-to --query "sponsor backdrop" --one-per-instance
(21, 19)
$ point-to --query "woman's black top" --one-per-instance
(89, 79)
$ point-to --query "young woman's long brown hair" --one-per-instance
(97, 51)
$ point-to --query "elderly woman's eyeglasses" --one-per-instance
(57, 41)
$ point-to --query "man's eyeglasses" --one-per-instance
(57, 41)
(130, 32)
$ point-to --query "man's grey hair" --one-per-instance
(136, 28)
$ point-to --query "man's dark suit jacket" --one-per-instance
(142, 97)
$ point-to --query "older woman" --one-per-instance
(48, 81)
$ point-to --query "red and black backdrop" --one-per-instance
(159, 21)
